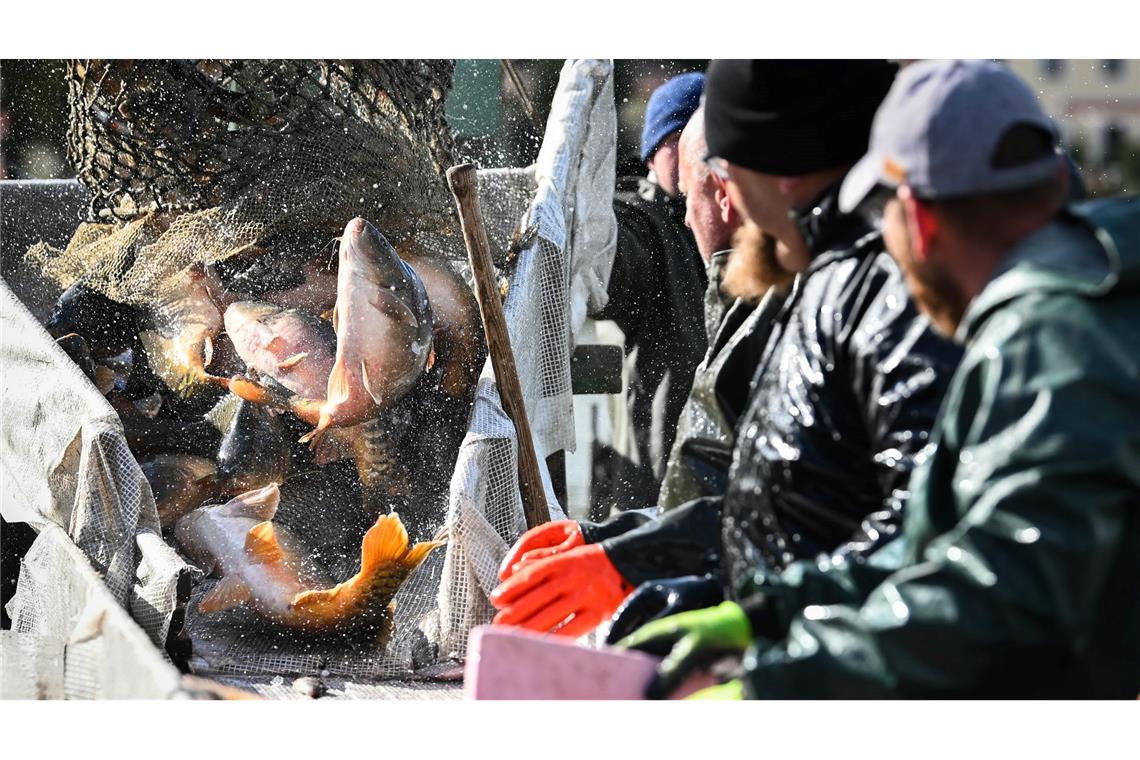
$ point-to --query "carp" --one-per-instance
(148, 436)
(260, 566)
(383, 324)
(291, 346)
(107, 326)
(253, 451)
(78, 350)
(180, 342)
(180, 483)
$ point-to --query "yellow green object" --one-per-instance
(731, 690)
(690, 640)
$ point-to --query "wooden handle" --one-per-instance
(464, 186)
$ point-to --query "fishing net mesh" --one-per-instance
(74, 454)
(195, 162)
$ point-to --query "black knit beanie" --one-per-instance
(791, 118)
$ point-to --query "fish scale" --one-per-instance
(383, 474)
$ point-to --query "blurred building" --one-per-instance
(1095, 103)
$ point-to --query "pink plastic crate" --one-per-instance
(510, 663)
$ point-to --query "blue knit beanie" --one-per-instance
(669, 109)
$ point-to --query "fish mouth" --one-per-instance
(356, 227)
(356, 236)
(361, 241)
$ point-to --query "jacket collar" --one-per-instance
(824, 227)
(1079, 252)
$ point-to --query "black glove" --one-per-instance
(654, 600)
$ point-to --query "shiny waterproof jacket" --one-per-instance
(706, 431)
(843, 398)
(717, 302)
(847, 393)
(656, 296)
(1016, 569)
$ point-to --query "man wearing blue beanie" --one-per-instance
(656, 297)
(667, 113)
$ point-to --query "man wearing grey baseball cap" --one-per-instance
(1015, 570)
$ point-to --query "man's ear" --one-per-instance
(921, 222)
(728, 213)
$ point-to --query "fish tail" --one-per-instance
(385, 562)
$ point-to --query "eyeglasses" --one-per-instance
(717, 166)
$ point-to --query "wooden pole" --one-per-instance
(520, 88)
(464, 186)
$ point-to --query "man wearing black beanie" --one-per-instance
(847, 387)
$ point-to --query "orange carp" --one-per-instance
(260, 565)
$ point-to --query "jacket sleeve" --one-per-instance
(1028, 513)
(683, 541)
(633, 277)
(900, 368)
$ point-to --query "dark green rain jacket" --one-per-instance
(1017, 572)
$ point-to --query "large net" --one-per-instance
(194, 162)
(66, 461)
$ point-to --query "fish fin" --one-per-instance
(338, 388)
(229, 592)
(291, 362)
(261, 544)
(313, 437)
(221, 382)
(243, 387)
(430, 361)
(367, 385)
(386, 541)
(334, 316)
(337, 444)
(419, 552)
(260, 504)
(207, 351)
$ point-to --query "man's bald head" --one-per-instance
(693, 147)
(708, 212)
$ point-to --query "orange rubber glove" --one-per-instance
(568, 594)
(539, 542)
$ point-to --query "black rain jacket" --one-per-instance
(843, 400)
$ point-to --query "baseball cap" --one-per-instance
(938, 130)
(669, 109)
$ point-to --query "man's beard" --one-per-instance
(934, 291)
(753, 267)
